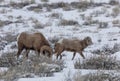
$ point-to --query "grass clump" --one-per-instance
(65, 22)
(105, 62)
(28, 68)
(97, 76)
(107, 50)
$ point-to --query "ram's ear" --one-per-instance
(57, 45)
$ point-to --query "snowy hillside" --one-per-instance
(58, 19)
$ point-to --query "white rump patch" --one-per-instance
(18, 36)
(60, 41)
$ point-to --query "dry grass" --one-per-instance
(78, 77)
(103, 25)
(84, 4)
(8, 59)
(113, 2)
(98, 62)
(3, 23)
(116, 23)
(65, 22)
(93, 76)
(54, 39)
(68, 7)
(37, 24)
(10, 38)
(89, 20)
(37, 8)
(107, 50)
(2, 44)
(97, 76)
(115, 11)
(3, 11)
(45, 0)
(81, 5)
(65, 6)
(56, 15)
(102, 76)
(21, 4)
(22, 68)
(58, 5)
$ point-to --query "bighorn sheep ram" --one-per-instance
(73, 45)
(35, 41)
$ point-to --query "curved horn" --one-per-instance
(46, 48)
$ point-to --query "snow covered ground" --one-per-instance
(40, 20)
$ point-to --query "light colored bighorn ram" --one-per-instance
(34, 41)
(73, 45)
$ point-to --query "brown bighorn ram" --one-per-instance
(35, 41)
(73, 45)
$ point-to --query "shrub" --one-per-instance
(97, 76)
(68, 7)
(106, 50)
(34, 66)
(10, 38)
(64, 22)
(36, 8)
(90, 21)
(21, 4)
(98, 62)
(102, 76)
(2, 44)
(8, 59)
(115, 11)
(82, 4)
(3, 23)
(78, 77)
(103, 24)
(57, 5)
(54, 39)
(37, 24)
(113, 2)
(44, 0)
(93, 76)
(116, 23)
(56, 15)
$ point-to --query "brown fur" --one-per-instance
(31, 42)
(72, 45)
(46, 48)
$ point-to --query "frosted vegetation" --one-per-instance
(57, 19)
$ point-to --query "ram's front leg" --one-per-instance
(27, 51)
(80, 52)
(59, 54)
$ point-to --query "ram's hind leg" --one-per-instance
(27, 51)
(57, 55)
(20, 48)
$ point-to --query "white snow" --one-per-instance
(52, 29)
